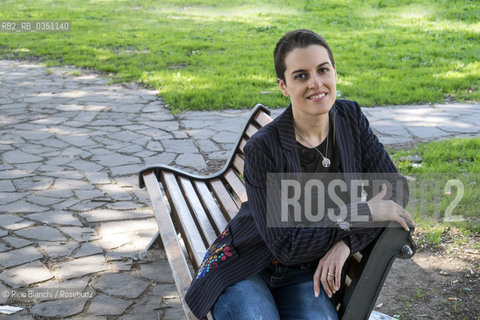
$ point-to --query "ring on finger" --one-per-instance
(330, 274)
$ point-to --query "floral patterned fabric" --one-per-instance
(216, 254)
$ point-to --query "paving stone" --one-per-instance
(20, 225)
(43, 201)
(88, 249)
(32, 167)
(72, 152)
(58, 249)
(85, 166)
(54, 142)
(66, 174)
(77, 141)
(225, 137)
(193, 160)
(56, 217)
(80, 267)
(37, 150)
(80, 234)
(33, 183)
(108, 306)
(4, 247)
(116, 160)
(120, 284)
(109, 228)
(19, 256)
(6, 186)
(162, 158)
(426, 132)
(153, 306)
(19, 157)
(207, 146)
(15, 174)
(61, 308)
(88, 317)
(26, 274)
(8, 219)
(157, 271)
(87, 205)
(124, 205)
(124, 170)
(112, 241)
(89, 194)
(146, 308)
(59, 161)
(56, 290)
(145, 153)
(20, 315)
(201, 134)
(67, 204)
(3, 233)
(124, 264)
(41, 233)
(8, 197)
(180, 134)
(72, 184)
(4, 293)
(155, 146)
(111, 215)
(126, 136)
(182, 146)
(98, 177)
(16, 242)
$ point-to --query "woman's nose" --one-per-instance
(314, 82)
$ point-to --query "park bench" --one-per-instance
(191, 210)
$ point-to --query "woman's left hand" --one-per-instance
(329, 269)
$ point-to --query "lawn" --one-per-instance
(444, 188)
(206, 54)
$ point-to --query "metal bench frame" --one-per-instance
(191, 210)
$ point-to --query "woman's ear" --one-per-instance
(283, 87)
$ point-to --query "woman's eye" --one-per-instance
(323, 70)
(300, 76)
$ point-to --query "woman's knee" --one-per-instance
(247, 299)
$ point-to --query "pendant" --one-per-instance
(326, 162)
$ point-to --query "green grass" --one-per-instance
(206, 54)
(433, 203)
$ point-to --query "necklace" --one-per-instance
(325, 162)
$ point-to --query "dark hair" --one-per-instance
(296, 39)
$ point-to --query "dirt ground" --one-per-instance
(441, 282)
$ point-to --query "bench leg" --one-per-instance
(156, 238)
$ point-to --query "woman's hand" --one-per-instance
(388, 210)
(329, 269)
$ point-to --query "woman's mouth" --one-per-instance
(317, 96)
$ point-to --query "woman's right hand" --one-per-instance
(388, 210)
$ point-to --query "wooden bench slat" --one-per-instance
(223, 197)
(262, 118)
(237, 185)
(212, 207)
(176, 259)
(251, 130)
(242, 144)
(197, 208)
(191, 235)
(238, 163)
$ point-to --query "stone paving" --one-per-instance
(73, 222)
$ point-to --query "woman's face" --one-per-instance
(310, 80)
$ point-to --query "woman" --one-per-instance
(256, 271)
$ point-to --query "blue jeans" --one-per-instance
(277, 292)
